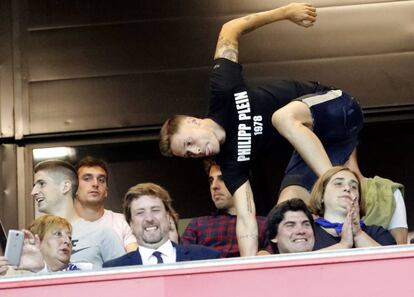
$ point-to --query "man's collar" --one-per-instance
(166, 249)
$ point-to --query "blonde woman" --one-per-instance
(47, 247)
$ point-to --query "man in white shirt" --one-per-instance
(54, 188)
(90, 199)
(147, 209)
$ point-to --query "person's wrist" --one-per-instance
(345, 244)
(285, 11)
(357, 234)
(356, 229)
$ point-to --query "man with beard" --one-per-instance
(218, 230)
(147, 209)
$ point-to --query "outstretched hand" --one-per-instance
(302, 14)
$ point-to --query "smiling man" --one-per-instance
(90, 200)
(249, 117)
(290, 228)
(54, 188)
(147, 209)
(218, 230)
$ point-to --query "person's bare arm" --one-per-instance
(400, 235)
(364, 240)
(246, 226)
(294, 122)
(263, 253)
(302, 14)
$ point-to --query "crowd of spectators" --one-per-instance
(62, 240)
(325, 202)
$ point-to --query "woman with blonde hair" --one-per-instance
(337, 201)
(47, 247)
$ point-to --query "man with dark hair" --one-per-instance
(147, 209)
(55, 185)
(218, 231)
(246, 119)
(290, 228)
(92, 192)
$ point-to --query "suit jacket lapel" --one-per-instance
(134, 258)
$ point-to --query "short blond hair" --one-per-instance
(47, 222)
(318, 191)
(168, 129)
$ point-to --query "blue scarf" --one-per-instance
(338, 226)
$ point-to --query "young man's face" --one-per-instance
(93, 186)
(219, 192)
(295, 233)
(193, 140)
(47, 192)
(56, 246)
(150, 222)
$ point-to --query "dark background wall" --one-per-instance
(110, 72)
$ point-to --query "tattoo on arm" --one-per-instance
(250, 16)
(227, 49)
(253, 236)
(252, 27)
(230, 54)
(249, 201)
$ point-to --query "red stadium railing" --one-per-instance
(382, 271)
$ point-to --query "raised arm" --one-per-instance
(302, 14)
(246, 226)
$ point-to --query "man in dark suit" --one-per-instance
(147, 209)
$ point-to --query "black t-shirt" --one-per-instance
(323, 239)
(244, 111)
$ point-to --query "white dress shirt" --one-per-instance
(167, 250)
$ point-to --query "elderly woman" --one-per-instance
(336, 199)
(47, 246)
